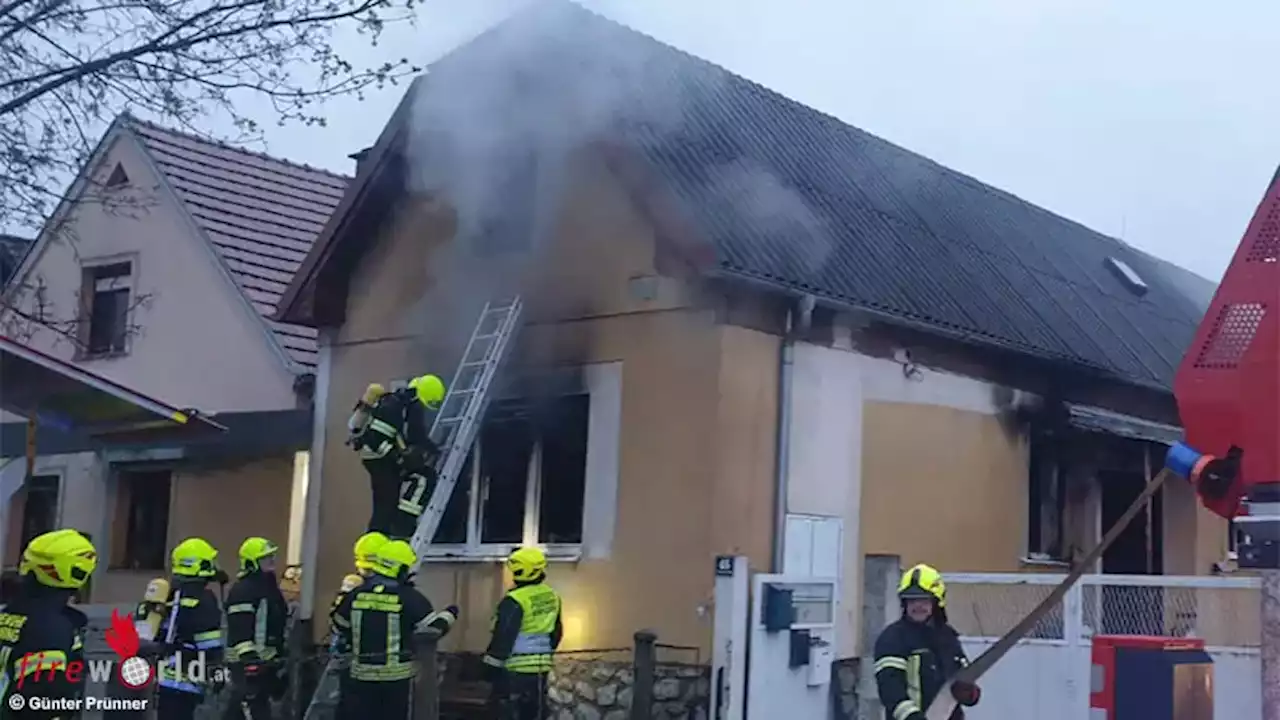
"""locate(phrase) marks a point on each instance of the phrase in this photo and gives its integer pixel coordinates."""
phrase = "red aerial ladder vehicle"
(1228, 391)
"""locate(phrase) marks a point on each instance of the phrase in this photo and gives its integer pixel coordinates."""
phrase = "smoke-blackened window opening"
(33, 510)
(506, 454)
(507, 213)
(527, 475)
(1046, 504)
(142, 519)
(453, 526)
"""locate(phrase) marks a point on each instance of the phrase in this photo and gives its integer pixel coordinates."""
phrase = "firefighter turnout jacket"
(256, 617)
(193, 629)
(912, 664)
(377, 620)
(39, 636)
(526, 629)
(395, 424)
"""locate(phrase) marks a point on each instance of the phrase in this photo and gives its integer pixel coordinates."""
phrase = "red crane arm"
(1228, 385)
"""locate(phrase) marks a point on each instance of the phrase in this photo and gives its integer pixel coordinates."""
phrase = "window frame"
(40, 470)
(1044, 471)
(600, 510)
(57, 476)
(474, 548)
(91, 283)
(121, 534)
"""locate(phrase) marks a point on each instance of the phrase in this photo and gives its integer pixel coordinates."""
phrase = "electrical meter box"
(1150, 678)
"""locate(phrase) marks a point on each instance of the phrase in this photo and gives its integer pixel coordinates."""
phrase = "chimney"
(360, 156)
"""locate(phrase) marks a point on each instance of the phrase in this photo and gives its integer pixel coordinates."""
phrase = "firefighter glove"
(966, 693)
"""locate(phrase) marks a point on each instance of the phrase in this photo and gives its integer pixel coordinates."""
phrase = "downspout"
(799, 319)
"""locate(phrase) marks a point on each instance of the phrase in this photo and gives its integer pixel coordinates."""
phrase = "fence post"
(645, 660)
(426, 688)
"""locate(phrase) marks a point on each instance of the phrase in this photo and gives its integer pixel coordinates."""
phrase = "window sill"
(497, 553)
(1043, 562)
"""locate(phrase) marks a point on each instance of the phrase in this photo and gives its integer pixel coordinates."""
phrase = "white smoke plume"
(545, 82)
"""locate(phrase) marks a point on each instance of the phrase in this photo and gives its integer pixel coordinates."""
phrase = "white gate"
(1048, 673)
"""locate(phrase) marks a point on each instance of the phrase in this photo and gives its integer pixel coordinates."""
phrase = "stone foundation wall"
(593, 689)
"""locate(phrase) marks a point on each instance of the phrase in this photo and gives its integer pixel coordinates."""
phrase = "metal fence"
(1224, 612)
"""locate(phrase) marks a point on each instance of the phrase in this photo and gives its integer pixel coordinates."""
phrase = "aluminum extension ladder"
(456, 424)
(453, 431)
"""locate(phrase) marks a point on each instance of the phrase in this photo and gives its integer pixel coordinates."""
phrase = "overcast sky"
(1154, 121)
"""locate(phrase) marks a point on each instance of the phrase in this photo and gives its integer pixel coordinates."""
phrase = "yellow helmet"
(394, 559)
(527, 564)
(923, 582)
(253, 551)
(365, 548)
(429, 389)
(60, 559)
(195, 557)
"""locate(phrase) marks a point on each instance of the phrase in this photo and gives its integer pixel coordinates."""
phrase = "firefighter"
(256, 617)
(389, 431)
(917, 654)
(191, 632)
(377, 620)
(526, 632)
(364, 550)
(39, 631)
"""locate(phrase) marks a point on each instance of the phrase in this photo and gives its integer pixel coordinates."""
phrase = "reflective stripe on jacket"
(912, 664)
(540, 611)
(194, 628)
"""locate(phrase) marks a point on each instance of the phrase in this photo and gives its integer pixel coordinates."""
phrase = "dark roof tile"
(792, 196)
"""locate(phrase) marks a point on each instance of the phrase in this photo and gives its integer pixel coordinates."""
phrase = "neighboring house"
(12, 250)
(708, 252)
(160, 272)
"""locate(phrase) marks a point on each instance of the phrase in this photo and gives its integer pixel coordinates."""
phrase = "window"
(33, 510)
(118, 178)
(525, 481)
(1046, 506)
(40, 507)
(141, 528)
(107, 291)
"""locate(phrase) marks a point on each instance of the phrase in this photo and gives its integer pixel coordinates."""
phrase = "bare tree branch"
(68, 67)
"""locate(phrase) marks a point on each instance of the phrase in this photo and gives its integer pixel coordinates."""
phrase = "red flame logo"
(122, 637)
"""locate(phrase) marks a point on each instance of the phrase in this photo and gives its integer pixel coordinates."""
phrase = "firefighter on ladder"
(192, 630)
(526, 633)
(377, 619)
(916, 655)
(256, 617)
(40, 634)
(389, 431)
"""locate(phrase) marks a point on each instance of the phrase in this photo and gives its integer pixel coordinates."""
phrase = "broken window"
(563, 472)
(1046, 505)
(142, 517)
(33, 510)
(107, 292)
(526, 479)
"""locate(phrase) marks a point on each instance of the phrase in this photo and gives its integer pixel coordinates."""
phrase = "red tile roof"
(261, 215)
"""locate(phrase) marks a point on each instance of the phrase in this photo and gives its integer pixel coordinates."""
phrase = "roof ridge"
(134, 121)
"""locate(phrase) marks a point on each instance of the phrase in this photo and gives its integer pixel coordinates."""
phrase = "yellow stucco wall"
(697, 411)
